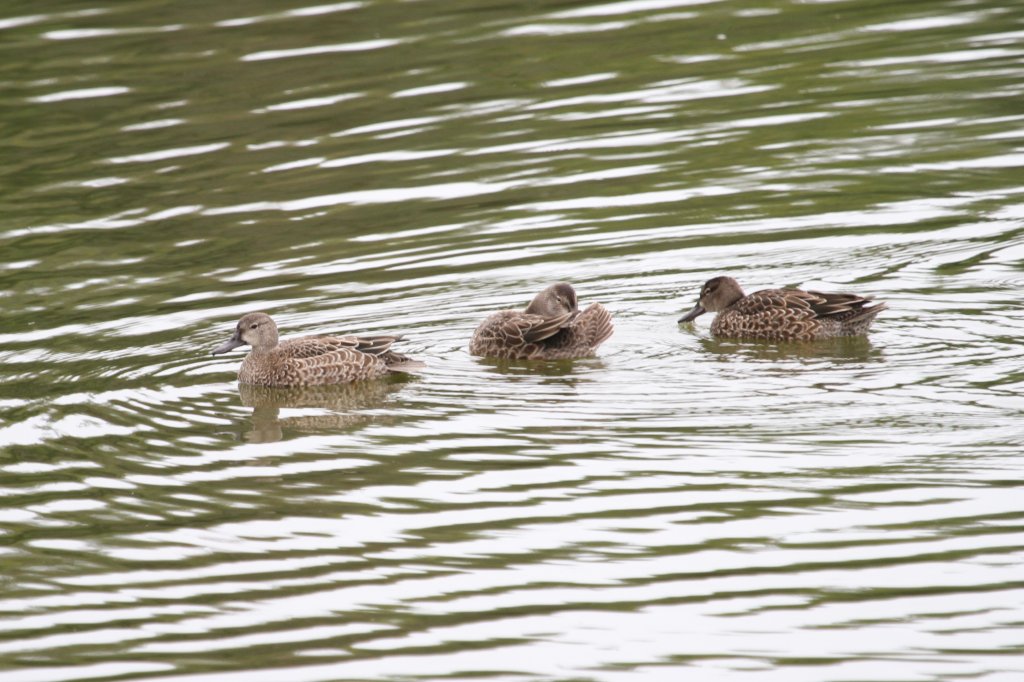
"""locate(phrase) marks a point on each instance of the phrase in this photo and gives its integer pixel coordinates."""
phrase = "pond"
(675, 507)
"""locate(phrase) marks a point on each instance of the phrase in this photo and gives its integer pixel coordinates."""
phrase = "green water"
(678, 507)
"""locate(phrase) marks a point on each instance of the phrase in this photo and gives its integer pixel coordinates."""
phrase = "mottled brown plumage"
(311, 360)
(551, 328)
(782, 314)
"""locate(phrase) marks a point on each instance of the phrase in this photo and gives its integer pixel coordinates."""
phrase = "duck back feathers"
(551, 328)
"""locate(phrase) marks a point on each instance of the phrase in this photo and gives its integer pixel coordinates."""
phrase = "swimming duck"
(311, 360)
(550, 328)
(782, 314)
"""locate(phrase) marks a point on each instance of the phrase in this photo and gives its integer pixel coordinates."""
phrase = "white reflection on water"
(320, 50)
(81, 93)
(453, 190)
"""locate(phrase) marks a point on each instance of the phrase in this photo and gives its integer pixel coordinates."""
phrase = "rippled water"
(677, 508)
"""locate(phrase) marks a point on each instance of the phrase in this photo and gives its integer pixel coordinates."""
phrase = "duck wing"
(837, 307)
(535, 328)
(797, 305)
(517, 334)
(793, 304)
(342, 364)
(315, 346)
(596, 323)
(587, 331)
(374, 345)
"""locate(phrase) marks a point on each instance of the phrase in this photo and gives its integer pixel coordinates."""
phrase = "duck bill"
(230, 344)
(697, 311)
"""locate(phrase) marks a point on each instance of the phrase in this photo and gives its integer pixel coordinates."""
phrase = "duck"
(782, 314)
(550, 328)
(311, 360)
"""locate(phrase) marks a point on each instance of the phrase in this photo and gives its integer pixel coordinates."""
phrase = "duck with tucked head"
(782, 314)
(550, 328)
(311, 360)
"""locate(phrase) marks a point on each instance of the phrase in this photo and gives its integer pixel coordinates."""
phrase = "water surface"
(678, 506)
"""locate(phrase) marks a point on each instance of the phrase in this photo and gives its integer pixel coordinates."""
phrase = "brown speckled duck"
(782, 314)
(551, 328)
(311, 360)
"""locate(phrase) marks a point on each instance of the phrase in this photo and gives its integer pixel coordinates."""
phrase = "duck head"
(254, 329)
(557, 299)
(717, 294)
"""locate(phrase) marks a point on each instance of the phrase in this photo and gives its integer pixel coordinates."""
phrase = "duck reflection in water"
(338, 407)
(841, 349)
